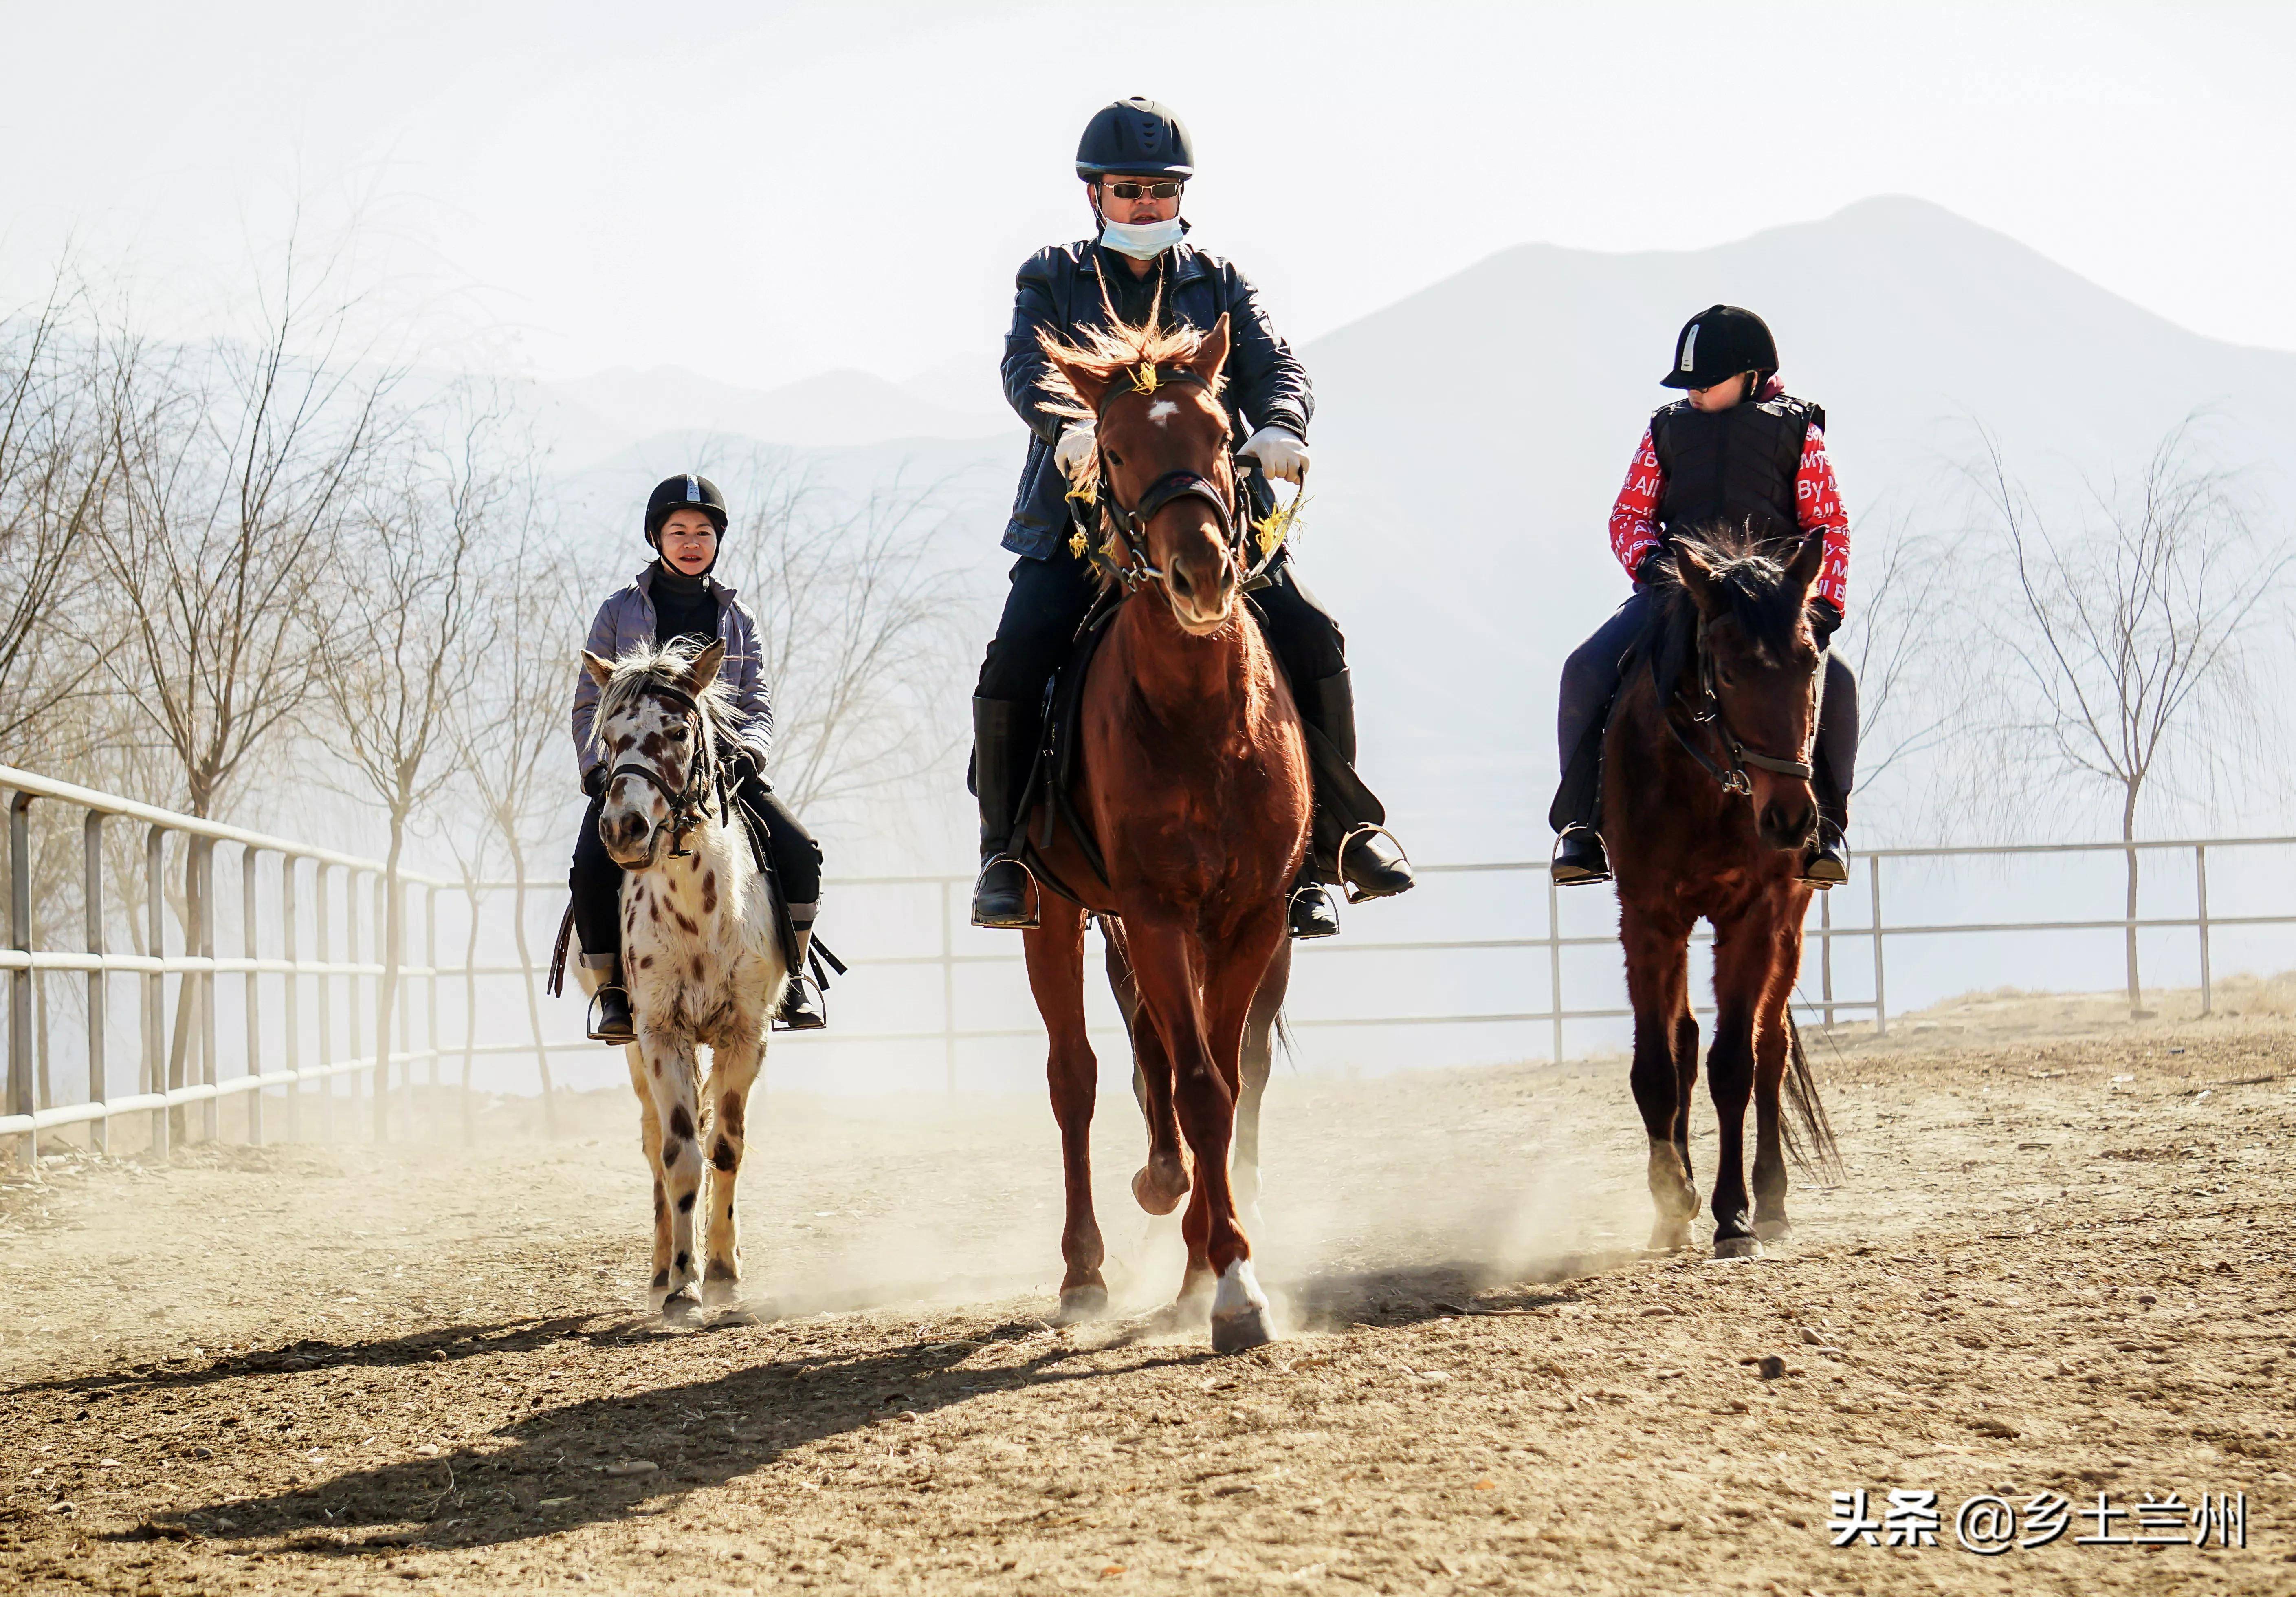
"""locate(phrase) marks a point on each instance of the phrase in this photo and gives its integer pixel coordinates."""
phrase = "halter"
(1129, 526)
(689, 806)
(1709, 713)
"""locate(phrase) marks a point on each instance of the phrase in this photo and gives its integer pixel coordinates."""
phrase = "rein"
(1129, 526)
(1709, 713)
(689, 806)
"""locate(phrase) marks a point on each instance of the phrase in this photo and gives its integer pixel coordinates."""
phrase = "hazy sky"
(762, 191)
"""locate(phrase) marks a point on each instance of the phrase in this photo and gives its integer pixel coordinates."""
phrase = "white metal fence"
(274, 1027)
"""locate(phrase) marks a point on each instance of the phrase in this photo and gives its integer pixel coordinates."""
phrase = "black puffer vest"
(1732, 465)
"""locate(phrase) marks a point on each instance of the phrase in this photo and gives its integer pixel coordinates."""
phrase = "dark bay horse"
(1706, 806)
(1193, 781)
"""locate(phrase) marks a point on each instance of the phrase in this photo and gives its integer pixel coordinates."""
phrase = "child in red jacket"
(1739, 448)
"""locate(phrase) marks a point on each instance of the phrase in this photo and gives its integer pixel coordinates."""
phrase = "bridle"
(689, 806)
(1129, 526)
(1707, 710)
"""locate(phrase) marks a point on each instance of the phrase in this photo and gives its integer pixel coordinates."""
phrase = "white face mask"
(1142, 240)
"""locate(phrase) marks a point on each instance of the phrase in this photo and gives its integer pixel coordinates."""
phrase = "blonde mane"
(647, 665)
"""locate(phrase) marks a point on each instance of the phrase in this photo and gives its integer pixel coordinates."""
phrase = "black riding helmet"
(684, 491)
(1134, 138)
(1719, 342)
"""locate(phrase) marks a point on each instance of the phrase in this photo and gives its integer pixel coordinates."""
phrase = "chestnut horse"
(1707, 808)
(1193, 781)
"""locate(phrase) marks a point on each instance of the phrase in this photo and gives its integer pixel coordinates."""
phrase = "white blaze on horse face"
(1162, 412)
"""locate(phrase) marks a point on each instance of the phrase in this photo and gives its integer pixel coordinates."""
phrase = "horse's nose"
(1785, 822)
(627, 828)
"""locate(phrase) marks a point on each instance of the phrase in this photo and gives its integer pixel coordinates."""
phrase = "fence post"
(1880, 996)
(1554, 963)
(326, 1000)
(99, 1089)
(155, 985)
(2200, 893)
(947, 988)
(403, 989)
(289, 946)
(211, 1072)
(254, 1000)
(20, 982)
(385, 958)
(1825, 953)
(431, 988)
(351, 1005)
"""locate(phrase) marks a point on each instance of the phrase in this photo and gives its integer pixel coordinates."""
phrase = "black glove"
(1653, 567)
(1824, 621)
(742, 761)
(594, 782)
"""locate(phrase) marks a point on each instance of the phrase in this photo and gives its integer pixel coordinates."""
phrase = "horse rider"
(674, 597)
(1739, 448)
(1134, 161)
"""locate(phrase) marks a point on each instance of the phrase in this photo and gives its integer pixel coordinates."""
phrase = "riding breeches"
(1590, 681)
(596, 881)
(1049, 598)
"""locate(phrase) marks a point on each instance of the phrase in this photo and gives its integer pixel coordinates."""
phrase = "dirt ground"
(2060, 1262)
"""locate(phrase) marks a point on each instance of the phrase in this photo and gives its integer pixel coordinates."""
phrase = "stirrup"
(590, 1019)
(1339, 858)
(1036, 914)
(1293, 913)
(798, 982)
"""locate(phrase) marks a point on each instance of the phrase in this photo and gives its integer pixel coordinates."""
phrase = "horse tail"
(1286, 1041)
(1809, 1133)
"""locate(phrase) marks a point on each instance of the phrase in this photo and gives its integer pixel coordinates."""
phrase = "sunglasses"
(1132, 191)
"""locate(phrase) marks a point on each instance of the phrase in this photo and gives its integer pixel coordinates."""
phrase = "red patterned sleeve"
(1633, 531)
(1818, 503)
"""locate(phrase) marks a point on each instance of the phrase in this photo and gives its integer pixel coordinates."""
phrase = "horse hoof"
(1240, 1331)
(680, 1304)
(1737, 1247)
(1157, 1196)
(1081, 1304)
(1773, 1231)
(723, 1292)
(1669, 1236)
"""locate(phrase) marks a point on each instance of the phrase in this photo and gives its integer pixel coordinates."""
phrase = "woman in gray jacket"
(674, 597)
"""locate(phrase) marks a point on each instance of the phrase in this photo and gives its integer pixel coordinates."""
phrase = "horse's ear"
(1690, 564)
(1211, 354)
(599, 670)
(704, 669)
(1808, 561)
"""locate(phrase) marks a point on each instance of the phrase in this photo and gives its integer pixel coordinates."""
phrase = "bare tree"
(55, 462)
(1911, 696)
(512, 737)
(860, 622)
(2126, 643)
(399, 644)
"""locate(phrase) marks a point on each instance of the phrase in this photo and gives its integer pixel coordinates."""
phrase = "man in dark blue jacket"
(1134, 161)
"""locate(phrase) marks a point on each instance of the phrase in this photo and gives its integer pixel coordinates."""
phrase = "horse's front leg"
(1258, 1060)
(673, 1078)
(1055, 949)
(1773, 1043)
(1158, 1185)
(650, 1144)
(1658, 984)
(1744, 951)
(1202, 1027)
(733, 1071)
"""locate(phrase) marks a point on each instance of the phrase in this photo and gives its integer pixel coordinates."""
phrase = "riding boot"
(1825, 863)
(1369, 860)
(1310, 912)
(801, 1008)
(610, 1020)
(1001, 736)
(1577, 818)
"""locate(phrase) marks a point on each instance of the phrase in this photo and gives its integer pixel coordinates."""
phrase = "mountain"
(1469, 440)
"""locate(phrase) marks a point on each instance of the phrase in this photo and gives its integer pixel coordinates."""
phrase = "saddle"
(1342, 804)
(753, 823)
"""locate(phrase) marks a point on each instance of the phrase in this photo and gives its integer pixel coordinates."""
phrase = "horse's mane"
(1745, 571)
(650, 665)
(1105, 351)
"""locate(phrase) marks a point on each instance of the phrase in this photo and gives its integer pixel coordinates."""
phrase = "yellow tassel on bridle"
(1278, 524)
(1144, 380)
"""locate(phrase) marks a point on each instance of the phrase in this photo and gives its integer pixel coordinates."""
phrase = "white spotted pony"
(700, 955)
